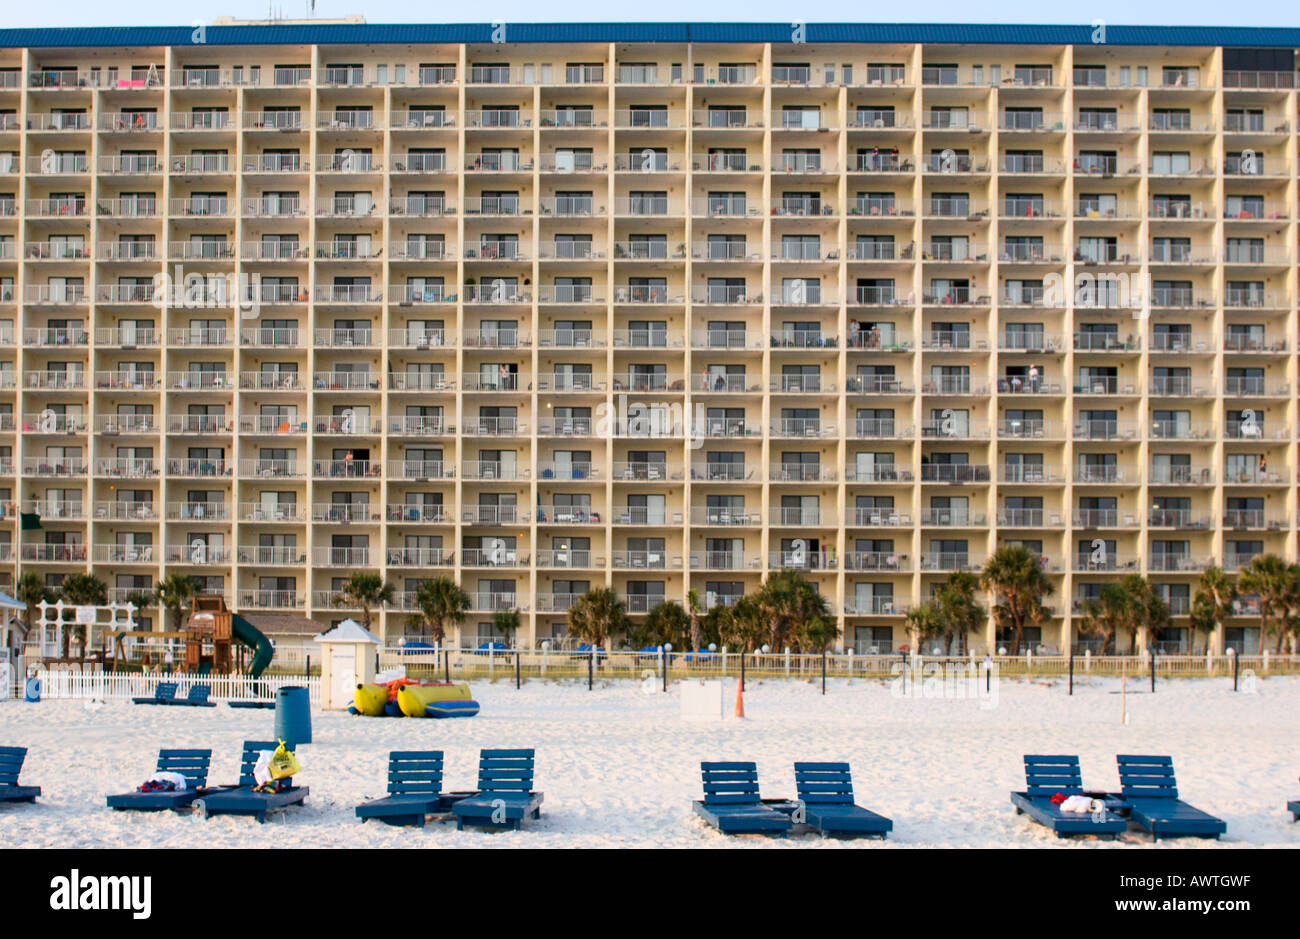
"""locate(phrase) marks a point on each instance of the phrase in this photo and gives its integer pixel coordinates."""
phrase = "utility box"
(347, 659)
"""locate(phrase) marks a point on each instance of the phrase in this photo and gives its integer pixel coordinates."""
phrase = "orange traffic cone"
(740, 699)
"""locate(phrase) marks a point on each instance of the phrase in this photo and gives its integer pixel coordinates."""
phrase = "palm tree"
(667, 622)
(716, 625)
(1014, 575)
(1107, 614)
(1150, 613)
(442, 603)
(744, 624)
(695, 608)
(172, 593)
(31, 590)
(506, 623)
(789, 604)
(81, 590)
(364, 589)
(1212, 603)
(597, 615)
(922, 622)
(959, 612)
(1274, 582)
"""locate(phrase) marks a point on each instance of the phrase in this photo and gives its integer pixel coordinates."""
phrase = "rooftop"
(353, 30)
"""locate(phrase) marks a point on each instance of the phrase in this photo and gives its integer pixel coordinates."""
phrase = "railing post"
(823, 670)
(516, 669)
(591, 665)
(1152, 653)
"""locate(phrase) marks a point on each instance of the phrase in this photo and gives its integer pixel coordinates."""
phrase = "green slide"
(251, 636)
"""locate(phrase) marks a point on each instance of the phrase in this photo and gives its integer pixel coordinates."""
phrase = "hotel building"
(656, 307)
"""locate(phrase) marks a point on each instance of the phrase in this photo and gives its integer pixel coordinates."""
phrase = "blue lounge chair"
(197, 698)
(192, 764)
(240, 799)
(165, 693)
(826, 790)
(731, 802)
(1294, 809)
(505, 794)
(1045, 776)
(1149, 788)
(414, 790)
(11, 764)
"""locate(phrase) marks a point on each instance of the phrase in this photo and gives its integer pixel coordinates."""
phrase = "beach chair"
(165, 693)
(826, 791)
(197, 698)
(414, 790)
(505, 794)
(1294, 808)
(731, 803)
(1149, 788)
(11, 764)
(192, 764)
(1045, 776)
(240, 799)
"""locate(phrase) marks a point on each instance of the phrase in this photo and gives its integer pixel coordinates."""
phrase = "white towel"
(262, 768)
(176, 779)
(1080, 804)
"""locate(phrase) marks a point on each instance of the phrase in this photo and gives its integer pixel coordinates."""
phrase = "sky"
(1113, 12)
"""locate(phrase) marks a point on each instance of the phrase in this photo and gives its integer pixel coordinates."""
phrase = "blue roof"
(424, 33)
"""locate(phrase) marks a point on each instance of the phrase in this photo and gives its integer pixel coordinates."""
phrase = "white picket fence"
(58, 683)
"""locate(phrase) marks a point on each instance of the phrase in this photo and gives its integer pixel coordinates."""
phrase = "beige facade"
(659, 317)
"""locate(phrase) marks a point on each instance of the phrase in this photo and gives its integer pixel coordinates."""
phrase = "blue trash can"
(32, 690)
(293, 716)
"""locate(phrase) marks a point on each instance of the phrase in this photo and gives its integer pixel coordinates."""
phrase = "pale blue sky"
(1114, 12)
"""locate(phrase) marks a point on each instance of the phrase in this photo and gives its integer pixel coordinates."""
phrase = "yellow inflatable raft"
(413, 699)
(370, 699)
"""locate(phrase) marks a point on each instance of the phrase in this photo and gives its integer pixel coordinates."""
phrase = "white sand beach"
(619, 767)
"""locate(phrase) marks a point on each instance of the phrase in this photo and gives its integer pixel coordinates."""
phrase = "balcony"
(1101, 560)
(875, 429)
(567, 427)
(346, 469)
(199, 469)
(1031, 473)
(948, 561)
(199, 554)
(493, 470)
(272, 469)
(487, 602)
(1106, 474)
(195, 511)
(124, 510)
(124, 554)
(724, 517)
(254, 381)
(954, 472)
(1180, 475)
(1178, 562)
(722, 472)
(802, 427)
(1179, 518)
(271, 512)
(272, 599)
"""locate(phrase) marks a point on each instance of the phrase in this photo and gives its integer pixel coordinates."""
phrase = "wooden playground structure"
(208, 635)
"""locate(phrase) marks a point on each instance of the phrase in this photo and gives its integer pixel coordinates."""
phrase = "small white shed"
(347, 660)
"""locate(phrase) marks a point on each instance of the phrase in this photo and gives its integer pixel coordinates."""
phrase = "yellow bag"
(283, 763)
